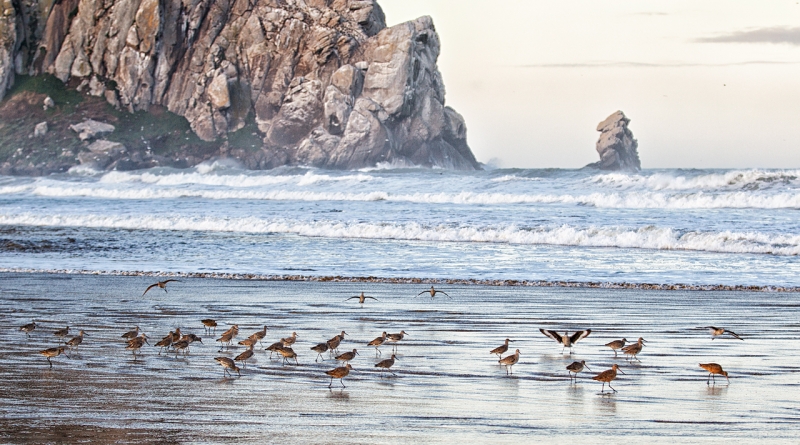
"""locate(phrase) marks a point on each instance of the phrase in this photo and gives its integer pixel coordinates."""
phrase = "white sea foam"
(728, 180)
(241, 180)
(647, 237)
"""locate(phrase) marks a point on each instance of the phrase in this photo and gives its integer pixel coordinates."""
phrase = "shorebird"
(249, 342)
(259, 335)
(361, 298)
(377, 343)
(181, 345)
(61, 333)
(634, 349)
(319, 349)
(333, 344)
(347, 356)
(161, 284)
(165, 342)
(607, 376)
(509, 361)
(275, 347)
(433, 292)
(209, 324)
(131, 334)
(244, 356)
(289, 341)
(28, 328)
(226, 365)
(74, 342)
(233, 331)
(386, 364)
(712, 369)
(225, 340)
(287, 353)
(192, 338)
(617, 344)
(176, 335)
(394, 338)
(339, 373)
(53, 352)
(566, 340)
(716, 332)
(500, 350)
(135, 344)
(576, 367)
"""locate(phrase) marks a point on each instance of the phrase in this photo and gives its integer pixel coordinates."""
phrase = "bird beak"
(619, 370)
(587, 367)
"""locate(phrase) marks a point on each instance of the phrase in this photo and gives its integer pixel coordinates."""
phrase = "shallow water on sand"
(448, 387)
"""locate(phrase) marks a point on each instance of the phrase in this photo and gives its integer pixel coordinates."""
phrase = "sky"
(706, 84)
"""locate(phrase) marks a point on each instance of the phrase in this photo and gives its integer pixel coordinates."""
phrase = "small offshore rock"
(616, 146)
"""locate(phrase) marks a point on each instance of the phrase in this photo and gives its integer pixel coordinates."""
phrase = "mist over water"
(660, 226)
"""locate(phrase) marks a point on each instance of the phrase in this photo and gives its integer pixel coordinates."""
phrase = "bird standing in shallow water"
(131, 334)
(361, 298)
(377, 343)
(386, 364)
(28, 328)
(607, 376)
(634, 349)
(712, 369)
(347, 356)
(617, 344)
(576, 367)
(289, 341)
(160, 284)
(500, 350)
(209, 324)
(566, 340)
(76, 341)
(339, 373)
(394, 338)
(244, 356)
(716, 332)
(53, 352)
(61, 333)
(288, 353)
(227, 364)
(510, 361)
(319, 349)
(135, 344)
(433, 292)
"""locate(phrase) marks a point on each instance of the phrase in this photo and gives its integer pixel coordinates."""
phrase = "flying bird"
(361, 298)
(433, 292)
(716, 332)
(161, 284)
(566, 340)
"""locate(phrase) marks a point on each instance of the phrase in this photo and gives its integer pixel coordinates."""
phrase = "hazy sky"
(705, 83)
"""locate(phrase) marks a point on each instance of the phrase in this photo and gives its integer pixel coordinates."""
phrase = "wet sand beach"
(448, 387)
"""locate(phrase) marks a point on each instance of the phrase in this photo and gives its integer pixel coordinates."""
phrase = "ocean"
(665, 227)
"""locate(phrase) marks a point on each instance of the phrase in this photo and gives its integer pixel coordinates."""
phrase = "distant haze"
(712, 84)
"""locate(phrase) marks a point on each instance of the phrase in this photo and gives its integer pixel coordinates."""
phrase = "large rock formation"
(616, 145)
(324, 81)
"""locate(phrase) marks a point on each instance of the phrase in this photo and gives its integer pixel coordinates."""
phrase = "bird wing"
(149, 287)
(580, 335)
(425, 291)
(348, 299)
(734, 334)
(167, 281)
(443, 292)
(552, 334)
(371, 298)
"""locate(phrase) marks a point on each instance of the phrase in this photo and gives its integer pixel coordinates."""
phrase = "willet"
(433, 292)
(394, 338)
(61, 333)
(566, 340)
(634, 349)
(509, 361)
(274, 348)
(181, 345)
(74, 342)
(347, 356)
(193, 338)
(712, 369)
(500, 350)
(244, 356)
(386, 364)
(165, 342)
(607, 376)
(28, 328)
(289, 341)
(716, 332)
(53, 352)
(249, 342)
(225, 340)
(209, 324)
(131, 334)
(333, 344)
(135, 344)
(160, 284)
(339, 373)
(319, 349)
(176, 335)
(287, 353)
(576, 367)
(259, 335)
(617, 344)
(226, 365)
(361, 298)
(377, 343)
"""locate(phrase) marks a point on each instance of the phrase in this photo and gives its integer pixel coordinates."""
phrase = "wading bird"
(377, 343)
(209, 324)
(712, 369)
(28, 328)
(566, 340)
(634, 349)
(394, 338)
(227, 364)
(53, 352)
(339, 373)
(386, 364)
(616, 344)
(607, 376)
(61, 333)
(576, 367)
(500, 350)
(160, 284)
(76, 341)
(319, 349)
(509, 361)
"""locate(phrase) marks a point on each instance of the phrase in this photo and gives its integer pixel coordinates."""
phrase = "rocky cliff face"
(326, 83)
(616, 146)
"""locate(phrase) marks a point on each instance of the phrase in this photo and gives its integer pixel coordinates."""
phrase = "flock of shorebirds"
(178, 343)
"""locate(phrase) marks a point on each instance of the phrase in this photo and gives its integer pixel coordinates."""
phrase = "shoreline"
(417, 280)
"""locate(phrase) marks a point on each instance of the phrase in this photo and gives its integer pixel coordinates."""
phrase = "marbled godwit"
(135, 344)
(377, 343)
(274, 348)
(226, 365)
(225, 340)
(61, 333)
(712, 369)
(617, 344)
(509, 361)
(361, 298)
(74, 342)
(232, 331)
(249, 342)
(289, 341)
(576, 367)
(347, 356)
(634, 349)
(176, 335)
(716, 332)
(566, 340)
(287, 353)
(607, 376)
(209, 324)
(161, 284)
(28, 328)
(394, 338)
(433, 292)
(319, 349)
(181, 345)
(131, 334)
(333, 344)
(259, 335)
(500, 350)
(339, 373)
(165, 342)
(244, 356)
(193, 338)
(53, 352)
(386, 364)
